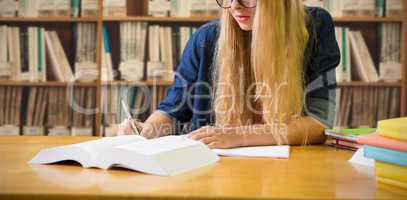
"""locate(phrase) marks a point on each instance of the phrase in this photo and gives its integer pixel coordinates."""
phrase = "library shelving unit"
(137, 12)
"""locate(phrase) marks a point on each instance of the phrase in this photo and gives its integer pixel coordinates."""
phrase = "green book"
(349, 134)
(75, 8)
(380, 8)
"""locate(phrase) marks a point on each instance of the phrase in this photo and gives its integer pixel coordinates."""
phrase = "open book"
(166, 156)
(170, 155)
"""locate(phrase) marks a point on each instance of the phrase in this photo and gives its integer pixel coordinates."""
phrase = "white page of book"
(101, 145)
(159, 145)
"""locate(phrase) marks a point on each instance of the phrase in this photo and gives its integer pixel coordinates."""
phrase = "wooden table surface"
(312, 172)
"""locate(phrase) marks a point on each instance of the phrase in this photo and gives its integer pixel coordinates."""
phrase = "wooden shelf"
(367, 19)
(178, 19)
(48, 19)
(139, 83)
(46, 84)
(162, 19)
(368, 84)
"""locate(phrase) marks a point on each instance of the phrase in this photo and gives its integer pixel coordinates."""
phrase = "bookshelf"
(137, 12)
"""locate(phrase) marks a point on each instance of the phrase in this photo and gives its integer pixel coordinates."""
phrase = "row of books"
(47, 8)
(389, 150)
(35, 54)
(180, 8)
(357, 62)
(62, 111)
(380, 8)
(43, 110)
(141, 101)
(146, 51)
(362, 107)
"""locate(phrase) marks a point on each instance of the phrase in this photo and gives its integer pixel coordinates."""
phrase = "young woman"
(262, 75)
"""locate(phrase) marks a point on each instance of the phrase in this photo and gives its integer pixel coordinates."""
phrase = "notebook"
(384, 142)
(394, 128)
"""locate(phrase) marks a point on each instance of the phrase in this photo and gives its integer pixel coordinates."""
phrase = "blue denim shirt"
(189, 98)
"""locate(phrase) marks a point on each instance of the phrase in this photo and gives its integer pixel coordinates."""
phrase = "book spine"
(386, 155)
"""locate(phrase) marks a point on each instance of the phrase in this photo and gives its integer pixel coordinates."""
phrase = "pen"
(130, 118)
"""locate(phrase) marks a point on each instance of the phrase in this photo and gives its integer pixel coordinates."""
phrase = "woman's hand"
(220, 138)
(146, 130)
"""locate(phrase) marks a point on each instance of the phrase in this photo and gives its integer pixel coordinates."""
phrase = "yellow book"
(391, 171)
(391, 182)
(393, 128)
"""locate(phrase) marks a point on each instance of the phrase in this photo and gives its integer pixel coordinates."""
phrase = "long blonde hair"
(272, 58)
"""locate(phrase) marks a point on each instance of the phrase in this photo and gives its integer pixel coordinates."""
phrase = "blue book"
(385, 155)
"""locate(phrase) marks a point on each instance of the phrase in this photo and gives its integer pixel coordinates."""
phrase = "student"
(262, 75)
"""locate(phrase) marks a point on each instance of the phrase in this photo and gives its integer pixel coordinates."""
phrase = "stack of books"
(389, 150)
(347, 138)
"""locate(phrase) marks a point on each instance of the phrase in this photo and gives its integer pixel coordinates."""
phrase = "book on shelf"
(357, 62)
(26, 50)
(32, 54)
(343, 71)
(8, 8)
(166, 156)
(115, 8)
(10, 108)
(59, 68)
(132, 50)
(58, 112)
(165, 45)
(34, 119)
(44, 8)
(89, 8)
(107, 65)
(75, 8)
(83, 116)
(364, 66)
(179, 8)
(390, 56)
(394, 8)
(85, 58)
(363, 107)
(363, 8)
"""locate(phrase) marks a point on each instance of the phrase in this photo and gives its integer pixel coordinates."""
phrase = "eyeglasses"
(244, 3)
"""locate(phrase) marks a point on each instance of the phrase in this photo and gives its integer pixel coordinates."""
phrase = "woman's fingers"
(207, 140)
(124, 128)
(213, 145)
(147, 131)
(202, 133)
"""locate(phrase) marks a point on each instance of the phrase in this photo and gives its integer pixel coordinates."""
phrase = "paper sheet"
(360, 159)
(258, 151)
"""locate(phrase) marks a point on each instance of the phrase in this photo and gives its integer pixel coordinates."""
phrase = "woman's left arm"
(305, 130)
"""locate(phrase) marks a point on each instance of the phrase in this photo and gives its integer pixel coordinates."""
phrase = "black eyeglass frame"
(231, 1)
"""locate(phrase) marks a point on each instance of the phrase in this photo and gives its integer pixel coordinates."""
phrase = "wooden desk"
(314, 172)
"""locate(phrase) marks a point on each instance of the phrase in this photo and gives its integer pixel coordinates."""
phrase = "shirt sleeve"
(320, 90)
(177, 102)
